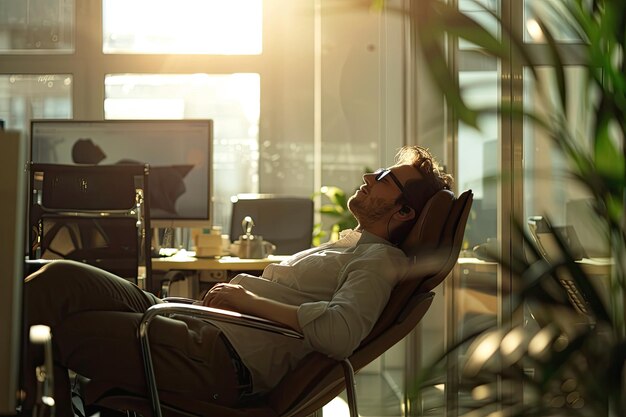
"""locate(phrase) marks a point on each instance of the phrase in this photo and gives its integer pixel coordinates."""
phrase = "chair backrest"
(434, 243)
(285, 221)
(95, 214)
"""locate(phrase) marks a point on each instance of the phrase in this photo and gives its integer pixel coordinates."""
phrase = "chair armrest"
(216, 314)
(182, 300)
(225, 316)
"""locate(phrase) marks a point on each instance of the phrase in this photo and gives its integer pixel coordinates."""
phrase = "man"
(333, 294)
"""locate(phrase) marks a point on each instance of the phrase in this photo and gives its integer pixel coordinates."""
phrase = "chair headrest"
(434, 242)
(430, 224)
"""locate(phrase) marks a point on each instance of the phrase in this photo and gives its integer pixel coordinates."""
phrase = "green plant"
(563, 362)
(337, 211)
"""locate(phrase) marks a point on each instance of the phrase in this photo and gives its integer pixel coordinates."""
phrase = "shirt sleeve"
(337, 327)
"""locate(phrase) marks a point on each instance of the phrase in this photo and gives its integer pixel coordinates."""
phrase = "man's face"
(377, 197)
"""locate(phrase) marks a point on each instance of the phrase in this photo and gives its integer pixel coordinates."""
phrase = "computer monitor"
(12, 231)
(179, 153)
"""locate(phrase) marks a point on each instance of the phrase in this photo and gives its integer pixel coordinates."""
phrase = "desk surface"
(592, 266)
(187, 261)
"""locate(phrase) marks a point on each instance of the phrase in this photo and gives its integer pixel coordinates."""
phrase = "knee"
(59, 270)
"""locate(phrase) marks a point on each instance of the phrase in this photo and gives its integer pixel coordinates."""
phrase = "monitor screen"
(179, 153)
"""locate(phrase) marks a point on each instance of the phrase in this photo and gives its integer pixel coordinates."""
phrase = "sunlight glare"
(540, 343)
(218, 27)
(482, 349)
(337, 407)
(512, 346)
(534, 30)
(481, 392)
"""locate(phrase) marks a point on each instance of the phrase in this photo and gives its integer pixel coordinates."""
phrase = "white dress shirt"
(341, 289)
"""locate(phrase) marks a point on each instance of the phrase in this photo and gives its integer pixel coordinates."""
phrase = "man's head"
(84, 151)
(391, 199)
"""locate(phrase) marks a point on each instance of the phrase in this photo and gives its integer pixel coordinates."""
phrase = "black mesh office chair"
(287, 222)
(92, 214)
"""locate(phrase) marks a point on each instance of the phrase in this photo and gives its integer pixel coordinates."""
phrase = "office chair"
(434, 243)
(542, 234)
(95, 214)
(287, 222)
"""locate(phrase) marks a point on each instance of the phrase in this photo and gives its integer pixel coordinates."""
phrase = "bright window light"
(337, 407)
(217, 27)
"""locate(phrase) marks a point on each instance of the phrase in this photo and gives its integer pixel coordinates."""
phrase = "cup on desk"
(252, 247)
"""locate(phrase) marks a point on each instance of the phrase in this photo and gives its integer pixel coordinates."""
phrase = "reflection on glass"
(218, 27)
(551, 13)
(41, 25)
(562, 198)
(231, 100)
(478, 160)
(26, 97)
(475, 296)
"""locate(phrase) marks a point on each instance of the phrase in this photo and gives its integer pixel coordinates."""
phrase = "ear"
(405, 213)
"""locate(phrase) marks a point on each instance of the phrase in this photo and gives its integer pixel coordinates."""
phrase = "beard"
(369, 210)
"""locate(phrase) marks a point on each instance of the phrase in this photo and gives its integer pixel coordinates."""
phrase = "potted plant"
(567, 356)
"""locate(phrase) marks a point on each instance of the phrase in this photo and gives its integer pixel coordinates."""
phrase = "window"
(37, 26)
(560, 193)
(551, 12)
(216, 27)
(24, 97)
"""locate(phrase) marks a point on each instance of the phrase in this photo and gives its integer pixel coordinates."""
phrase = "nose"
(368, 178)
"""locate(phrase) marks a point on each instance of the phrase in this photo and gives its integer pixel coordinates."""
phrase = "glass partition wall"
(515, 172)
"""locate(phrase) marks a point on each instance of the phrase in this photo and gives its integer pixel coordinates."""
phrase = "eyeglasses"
(383, 172)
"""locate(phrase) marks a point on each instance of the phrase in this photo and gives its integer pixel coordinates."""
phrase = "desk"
(202, 273)
(479, 279)
(594, 267)
(186, 261)
(477, 296)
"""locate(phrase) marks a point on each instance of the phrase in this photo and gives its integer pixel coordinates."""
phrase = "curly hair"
(417, 192)
(426, 164)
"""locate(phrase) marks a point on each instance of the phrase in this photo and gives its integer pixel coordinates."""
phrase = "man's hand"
(236, 298)
(228, 297)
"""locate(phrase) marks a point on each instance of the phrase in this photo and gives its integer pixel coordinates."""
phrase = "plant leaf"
(336, 195)
(609, 162)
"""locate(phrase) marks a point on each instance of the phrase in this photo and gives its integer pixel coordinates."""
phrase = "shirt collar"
(367, 237)
(350, 237)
